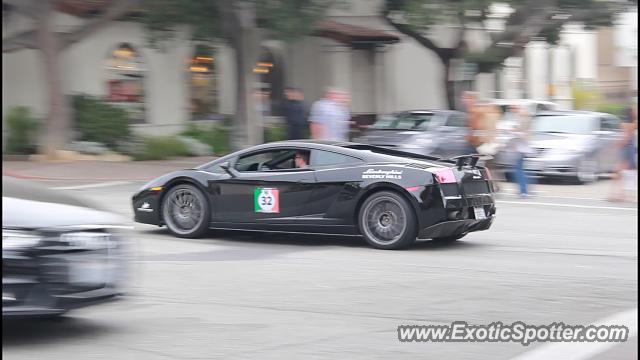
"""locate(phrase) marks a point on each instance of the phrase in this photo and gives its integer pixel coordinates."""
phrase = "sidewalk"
(98, 170)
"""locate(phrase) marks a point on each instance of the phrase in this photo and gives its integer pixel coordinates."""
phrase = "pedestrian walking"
(625, 178)
(330, 118)
(294, 114)
(521, 149)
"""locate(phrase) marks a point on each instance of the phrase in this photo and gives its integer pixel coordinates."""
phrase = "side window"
(609, 123)
(321, 158)
(266, 160)
(543, 107)
(215, 169)
(457, 121)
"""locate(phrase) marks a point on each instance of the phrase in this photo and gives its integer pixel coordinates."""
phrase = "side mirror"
(226, 166)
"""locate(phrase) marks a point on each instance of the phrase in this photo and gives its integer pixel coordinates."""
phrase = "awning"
(353, 35)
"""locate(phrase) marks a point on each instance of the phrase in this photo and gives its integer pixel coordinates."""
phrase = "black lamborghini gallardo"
(389, 197)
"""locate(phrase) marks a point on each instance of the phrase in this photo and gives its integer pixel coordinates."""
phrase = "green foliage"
(162, 147)
(289, 19)
(584, 98)
(22, 131)
(275, 133)
(99, 121)
(611, 108)
(421, 15)
(217, 137)
(162, 17)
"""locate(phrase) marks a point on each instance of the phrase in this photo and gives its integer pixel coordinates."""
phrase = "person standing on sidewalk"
(625, 179)
(521, 149)
(294, 114)
(474, 121)
(329, 118)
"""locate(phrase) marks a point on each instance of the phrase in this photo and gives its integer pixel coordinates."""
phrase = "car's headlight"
(17, 239)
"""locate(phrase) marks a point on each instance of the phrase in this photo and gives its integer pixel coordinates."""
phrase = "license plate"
(87, 240)
(479, 212)
(90, 270)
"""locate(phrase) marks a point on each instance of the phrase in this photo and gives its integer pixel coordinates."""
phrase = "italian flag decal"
(266, 200)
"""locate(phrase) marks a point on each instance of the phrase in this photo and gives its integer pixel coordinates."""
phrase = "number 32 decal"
(266, 200)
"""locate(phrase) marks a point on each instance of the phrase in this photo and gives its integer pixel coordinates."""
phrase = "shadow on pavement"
(262, 240)
(43, 331)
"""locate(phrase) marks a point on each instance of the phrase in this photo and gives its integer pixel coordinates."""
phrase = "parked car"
(574, 145)
(532, 106)
(58, 253)
(426, 132)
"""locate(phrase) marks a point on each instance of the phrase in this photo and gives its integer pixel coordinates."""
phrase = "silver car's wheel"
(387, 221)
(587, 171)
(185, 211)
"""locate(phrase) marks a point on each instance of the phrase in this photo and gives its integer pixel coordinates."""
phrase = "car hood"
(27, 205)
(388, 137)
(558, 141)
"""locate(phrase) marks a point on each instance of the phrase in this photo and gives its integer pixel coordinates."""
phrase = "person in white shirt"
(330, 118)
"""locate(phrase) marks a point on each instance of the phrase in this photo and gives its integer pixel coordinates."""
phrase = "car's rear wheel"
(185, 211)
(387, 221)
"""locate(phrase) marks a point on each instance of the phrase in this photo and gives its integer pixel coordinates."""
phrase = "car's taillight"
(445, 176)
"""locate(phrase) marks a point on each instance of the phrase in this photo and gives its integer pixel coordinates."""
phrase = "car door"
(262, 194)
(337, 178)
(606, 137)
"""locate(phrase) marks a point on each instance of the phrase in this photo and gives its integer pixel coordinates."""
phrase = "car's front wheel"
(185, 211)
(387, 221)
(587, 171)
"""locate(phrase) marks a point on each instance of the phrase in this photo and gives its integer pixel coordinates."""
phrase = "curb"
(33, 177)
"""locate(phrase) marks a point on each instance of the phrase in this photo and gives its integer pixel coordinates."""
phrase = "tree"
(236, 23)
(51, 44)
(528, 20)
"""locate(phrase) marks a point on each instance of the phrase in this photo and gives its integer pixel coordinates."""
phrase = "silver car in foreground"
(58, 253)
(575, 145)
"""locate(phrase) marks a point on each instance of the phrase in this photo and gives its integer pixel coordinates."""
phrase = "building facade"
(354, 48)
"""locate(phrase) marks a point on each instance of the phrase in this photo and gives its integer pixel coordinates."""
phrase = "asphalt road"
(563, 255)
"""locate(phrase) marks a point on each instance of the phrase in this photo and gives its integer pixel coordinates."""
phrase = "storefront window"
(203, 82)
(270, 88)
(126, 73)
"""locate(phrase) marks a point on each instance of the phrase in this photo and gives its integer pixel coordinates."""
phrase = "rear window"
(321, 157)
(405, 121)
(565, 124)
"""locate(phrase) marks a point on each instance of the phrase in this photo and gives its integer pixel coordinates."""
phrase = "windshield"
(566, 124)
(405, 121)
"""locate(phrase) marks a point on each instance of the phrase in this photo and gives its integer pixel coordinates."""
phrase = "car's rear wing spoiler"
(469, 160)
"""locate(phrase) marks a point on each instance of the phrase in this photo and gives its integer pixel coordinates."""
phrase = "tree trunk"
(449, 85)
(58, 124)
(239, 131)
(247, 127)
